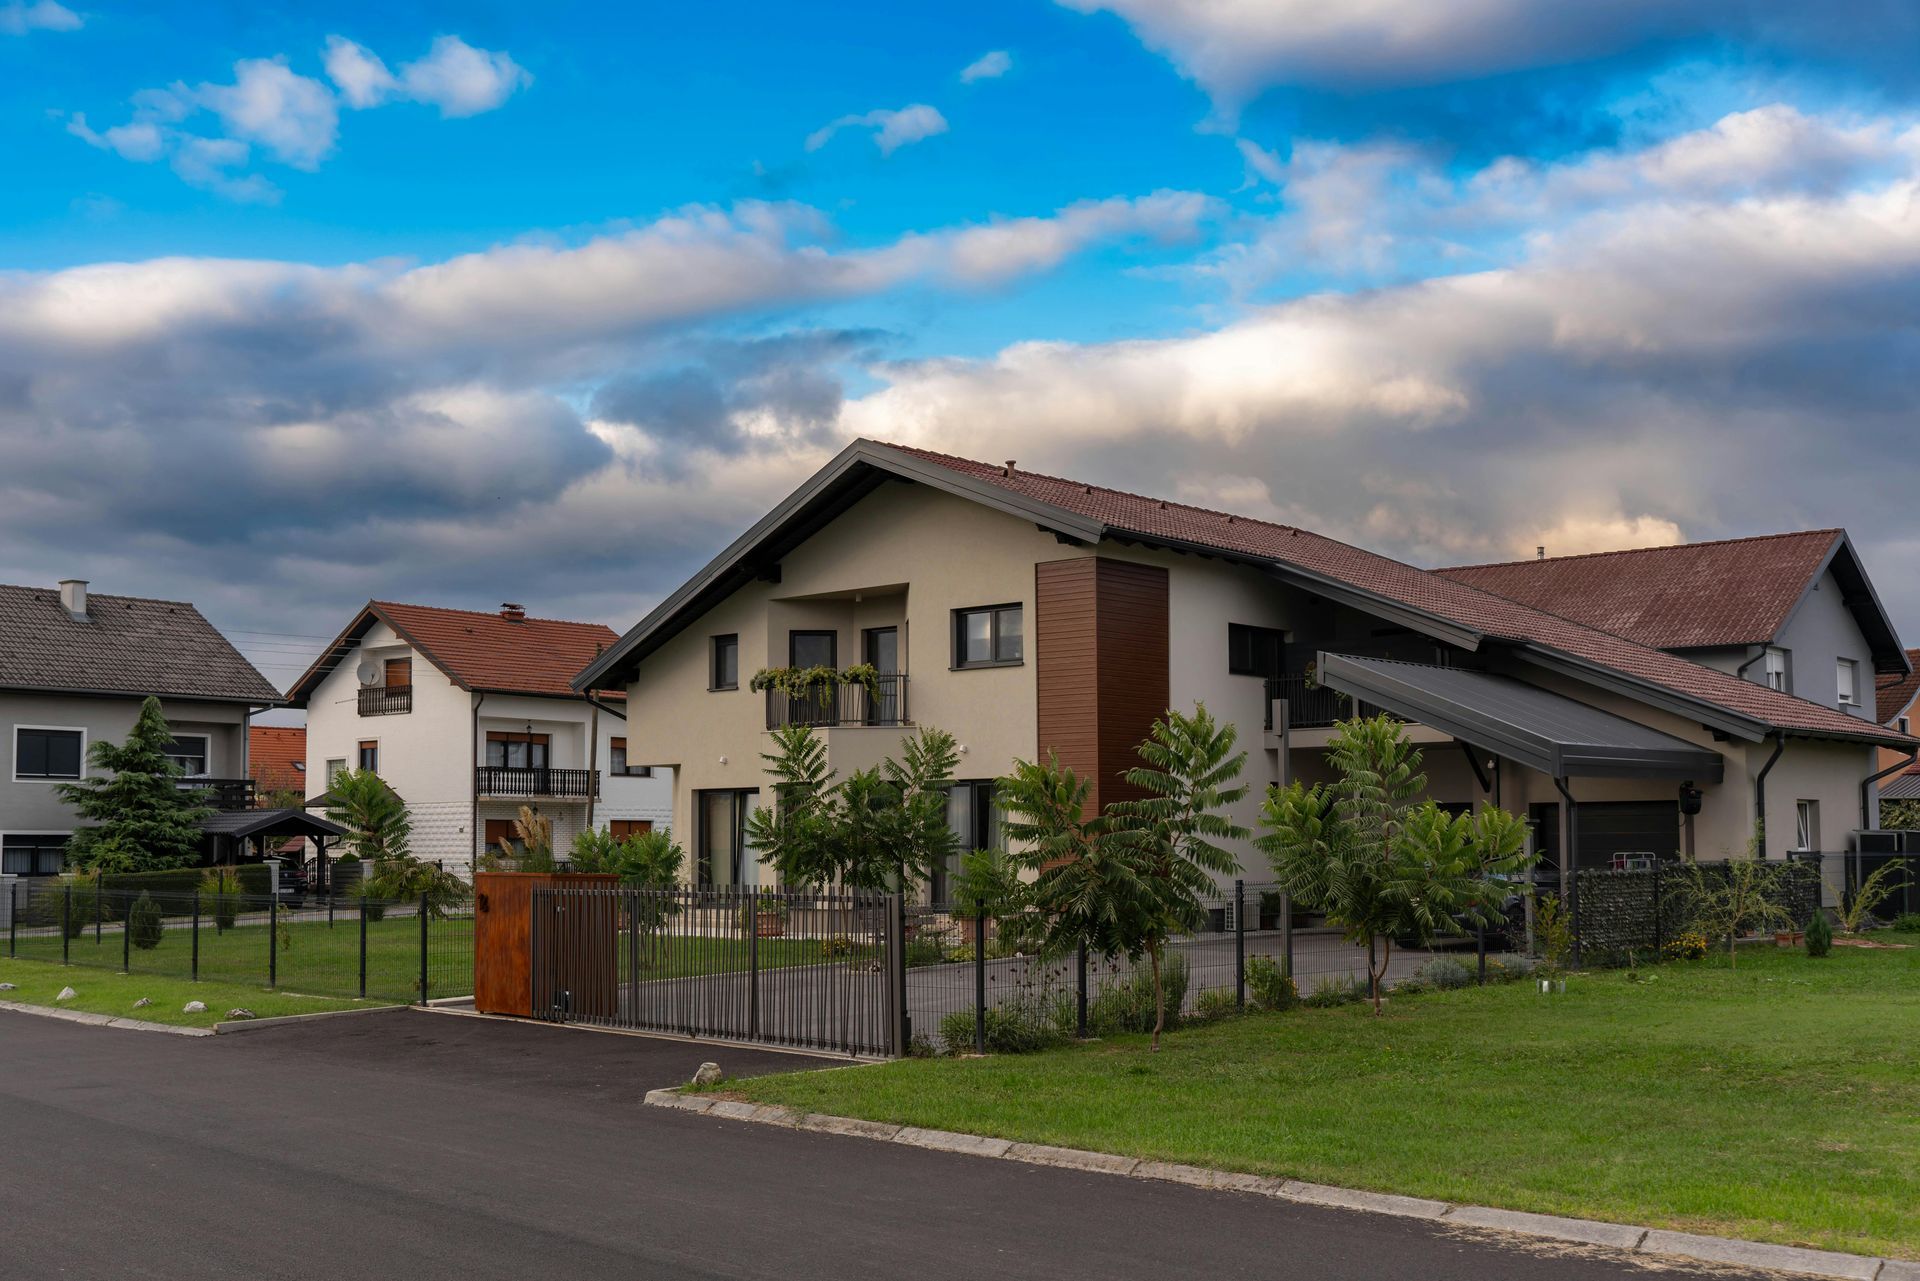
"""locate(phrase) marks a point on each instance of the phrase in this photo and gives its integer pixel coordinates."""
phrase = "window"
(1846, 680)
(399, 673)
(508, 750)
(189, 752)
(1254, 651)
(1778, 669)
(990, 636)
(1806, 825)
(618, 765)
(725, 670)
(370, 755)
(621, 828)
(335, 768)
(39, 854)
(40, 752)
(1905, 728)
(974, 820)
(723, 856)
(503, 837)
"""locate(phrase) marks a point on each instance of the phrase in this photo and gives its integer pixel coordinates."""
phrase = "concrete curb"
(1619, 1236)
(102, 1020)
(281, 1020)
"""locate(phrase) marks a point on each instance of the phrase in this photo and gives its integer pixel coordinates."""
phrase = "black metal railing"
(837, 704)
(1315, 706)
(222, 793)
(385, 700)
(538, 780)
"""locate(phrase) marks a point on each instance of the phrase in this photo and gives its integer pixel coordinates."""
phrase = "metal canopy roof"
(283, 823)
(1537, 728)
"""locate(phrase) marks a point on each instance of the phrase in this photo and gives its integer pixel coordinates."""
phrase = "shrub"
(1129, 1007)
(1445, 973)
(1907, 923)
(1021, 1026)
(1510, 970)
(1690, 945)
(1215, 1003)
(1268, 985)
(72, 898)
(925, 949)
(837, 945)
(220, 894)
(143, 923)
(1819, 934)
(1329, 992)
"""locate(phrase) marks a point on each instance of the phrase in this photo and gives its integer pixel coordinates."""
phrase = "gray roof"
(129, 646)
(1901, 787)
(246, 823)
(1549, 732)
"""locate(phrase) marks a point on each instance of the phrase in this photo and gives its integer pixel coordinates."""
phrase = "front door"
(880, 649)
(814, 649)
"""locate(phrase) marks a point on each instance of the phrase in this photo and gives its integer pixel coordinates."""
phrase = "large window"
(36, 854)
(41, 752)
(974, 820)
(724, 672)
(189, 752)
(723, 856)
(1777, 668)
(990, 636)
(517, 751)
(618, 764)
(1846, 680)
(1254, 651)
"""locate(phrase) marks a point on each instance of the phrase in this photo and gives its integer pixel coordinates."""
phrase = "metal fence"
(796, 968)
(379, 949)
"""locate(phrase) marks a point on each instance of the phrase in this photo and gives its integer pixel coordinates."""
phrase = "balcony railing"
(537, 780)
(223, 793)
(1314, 706)
(385, 700)
(829, 705)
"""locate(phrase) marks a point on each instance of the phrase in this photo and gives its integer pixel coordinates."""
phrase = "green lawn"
(108, 992)
(1778, 1101)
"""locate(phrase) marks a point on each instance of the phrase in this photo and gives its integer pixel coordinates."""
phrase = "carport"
(234, 831)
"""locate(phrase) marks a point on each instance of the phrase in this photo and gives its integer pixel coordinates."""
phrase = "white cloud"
(357, 72)
(21, 16)
(140, 140)
(988, 66)
(1575, 535)
(891, 129)
(1005, 248)
(294, 116)
(453, 75)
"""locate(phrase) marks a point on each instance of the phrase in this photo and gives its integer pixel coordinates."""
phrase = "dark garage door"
(1608, 828)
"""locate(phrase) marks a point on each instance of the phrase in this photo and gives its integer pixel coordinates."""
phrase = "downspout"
(1569, 861)
(599, 707)
(473, 783)
(1870, 821)
(593, 760)
(1760, 797)
(1741, 671)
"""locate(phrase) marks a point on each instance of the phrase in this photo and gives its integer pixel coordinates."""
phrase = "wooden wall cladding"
(503, 941)
(1101, 651)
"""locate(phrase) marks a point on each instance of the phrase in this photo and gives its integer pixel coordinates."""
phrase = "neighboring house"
(1894, 700)
(277, 761)
(1030, 614)
(468, 716)
(74, 669)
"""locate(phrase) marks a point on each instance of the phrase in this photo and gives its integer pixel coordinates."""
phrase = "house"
(277, 760)
(74, 668)
(1894, 700)
(468, 716)
(1030, 614)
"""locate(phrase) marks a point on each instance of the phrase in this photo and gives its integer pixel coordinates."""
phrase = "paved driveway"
(420, 1145)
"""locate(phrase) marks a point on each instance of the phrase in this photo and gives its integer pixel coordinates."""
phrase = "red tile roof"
(486, 651)
(1738, 591)
(277, 757)
(1446, 598)
(1892, 694)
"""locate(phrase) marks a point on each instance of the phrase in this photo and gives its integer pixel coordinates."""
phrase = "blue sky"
(462, 303)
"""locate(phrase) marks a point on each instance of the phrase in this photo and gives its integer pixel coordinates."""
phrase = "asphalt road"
(418, 1145)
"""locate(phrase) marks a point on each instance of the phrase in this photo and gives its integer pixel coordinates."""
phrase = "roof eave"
(244, 700)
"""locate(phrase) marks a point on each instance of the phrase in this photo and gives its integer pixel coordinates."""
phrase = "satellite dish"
(369, 672)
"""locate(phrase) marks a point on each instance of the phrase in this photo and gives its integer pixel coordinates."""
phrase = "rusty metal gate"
(794, 968)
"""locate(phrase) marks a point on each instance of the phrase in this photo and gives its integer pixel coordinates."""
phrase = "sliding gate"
(813, 971)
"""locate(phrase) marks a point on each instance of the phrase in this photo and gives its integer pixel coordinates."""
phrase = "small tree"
(1381, 864)
(376, 819)
(1741, 899)
(144, 927)
(1819, 933)
(144, 820)
(1857, 909)
(642, 861)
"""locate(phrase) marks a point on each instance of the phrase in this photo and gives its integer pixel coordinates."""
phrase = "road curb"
(102, 1020)
(1625, 1237)
(233, 1026)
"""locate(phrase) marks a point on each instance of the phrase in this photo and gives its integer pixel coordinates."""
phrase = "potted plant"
(769, 916)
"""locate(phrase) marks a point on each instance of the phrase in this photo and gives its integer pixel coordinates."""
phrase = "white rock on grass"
(7, 987)
(240, 1014)
(708, 1074)
(143, 1003)
(194, 1007)
(66, 994)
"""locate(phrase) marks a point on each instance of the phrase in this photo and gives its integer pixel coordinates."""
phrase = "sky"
(465, 303)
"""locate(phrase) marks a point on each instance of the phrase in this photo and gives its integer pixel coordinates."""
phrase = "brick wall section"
(1618, 914)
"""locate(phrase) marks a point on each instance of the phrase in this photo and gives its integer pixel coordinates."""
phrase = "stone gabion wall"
(1622, 913)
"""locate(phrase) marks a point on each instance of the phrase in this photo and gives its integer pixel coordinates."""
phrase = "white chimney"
(73, 598)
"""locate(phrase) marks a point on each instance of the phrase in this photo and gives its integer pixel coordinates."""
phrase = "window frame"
(958, 635)
(623, 768)
(633, 826)
(1806, 825)
(360, 755)
(206, 755)
(714, 643)
(1785, 672)
(335, 766)
(64, 838)
(1253, 632)
(18, 777)
(1850, 668)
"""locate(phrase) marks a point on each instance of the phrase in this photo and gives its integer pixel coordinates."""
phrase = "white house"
(468, 716)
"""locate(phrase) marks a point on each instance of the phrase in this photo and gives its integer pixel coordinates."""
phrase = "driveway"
(422, 1145)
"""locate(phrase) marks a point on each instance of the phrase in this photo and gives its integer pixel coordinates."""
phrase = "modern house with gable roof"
(468, 716)
(74, 668)
(1030, 614)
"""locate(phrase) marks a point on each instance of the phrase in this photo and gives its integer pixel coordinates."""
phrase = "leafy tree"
(646, 860)
(1738, 898)
(1380, 863)
(376, 819)
(144, 821)
(795, 835)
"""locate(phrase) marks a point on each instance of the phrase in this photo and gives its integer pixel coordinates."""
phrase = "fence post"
(13, 918)
(99, 904)
(273, 940)
(363, 949)
(902, 1030)
(1081, 956)
(1659, 925)
(66, 924)
(1240, 944)
(753, 967)
(980, 978)
(423, 948)
(126, 939)
(1480, 945)
(1286, 929)
(196, 936)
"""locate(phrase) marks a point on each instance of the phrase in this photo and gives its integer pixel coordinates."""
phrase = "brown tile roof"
(1463, 605)
(277, 757)
(131, 646)
(1892, 694)
(1738, 591)
(480, 651)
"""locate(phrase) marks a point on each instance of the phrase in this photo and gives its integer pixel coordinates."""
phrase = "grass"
(1778, 1101)
(107, 992)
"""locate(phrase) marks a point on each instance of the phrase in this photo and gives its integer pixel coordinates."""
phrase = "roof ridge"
(93, 595)
(484, 613)
(1635, 551)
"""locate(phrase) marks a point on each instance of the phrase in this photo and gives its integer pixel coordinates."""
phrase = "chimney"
(1008, 469)
(73, 598)
(512, 613)
(1540, 552)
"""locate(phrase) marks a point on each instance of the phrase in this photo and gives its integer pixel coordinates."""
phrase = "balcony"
(1313, 706)
(222, 793)
(830, 705)
(537, 780)
(385, 700)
